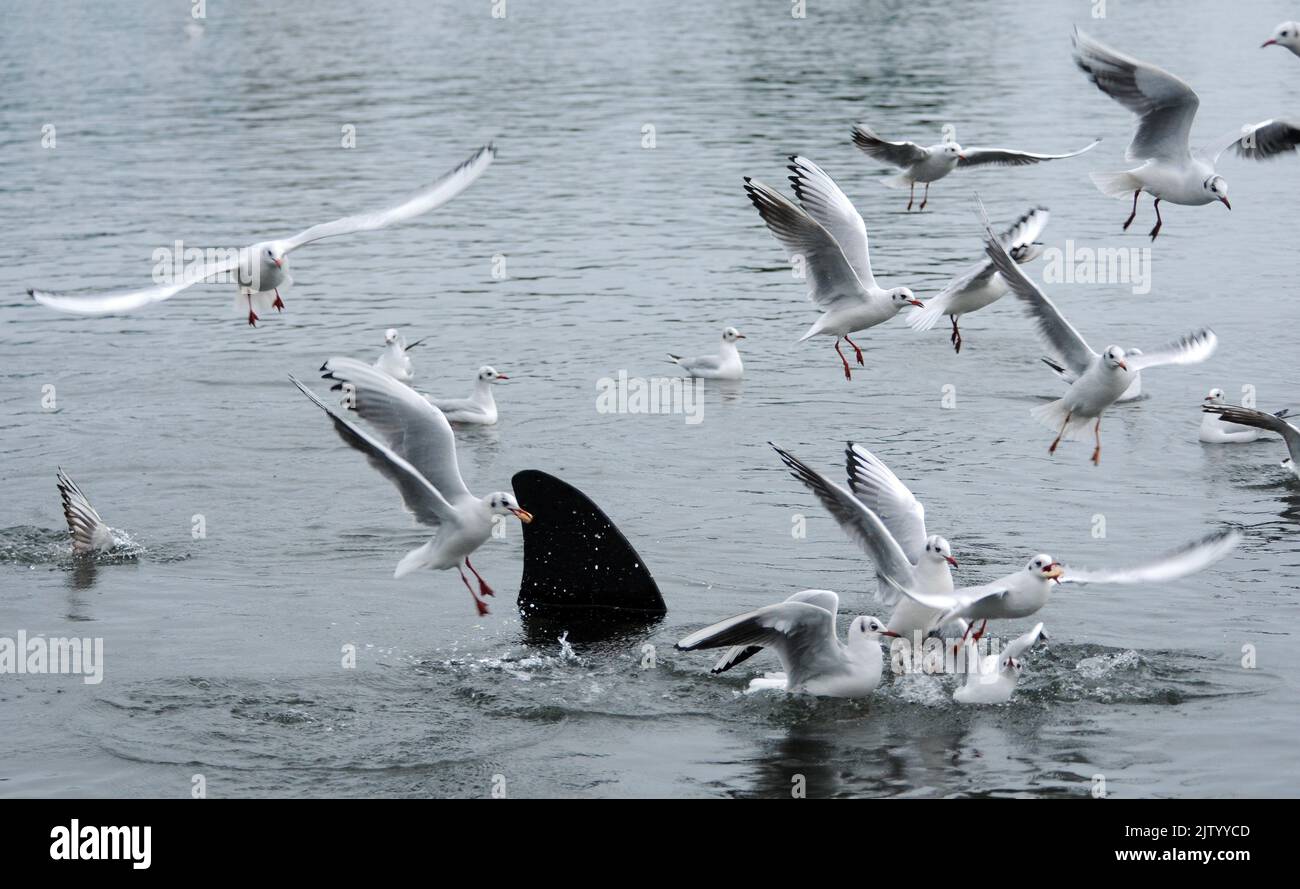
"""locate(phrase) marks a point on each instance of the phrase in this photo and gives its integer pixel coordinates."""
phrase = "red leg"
(855, 348)
(956, 335)
(1057, 441)
(1096, 454)
(252, 318)
(848, 374)
(925, 199)
(478, 603)
(1131, 216)
(482, 584)
(983, 626)
(279, 303)
(911, 196)
(1159, 222)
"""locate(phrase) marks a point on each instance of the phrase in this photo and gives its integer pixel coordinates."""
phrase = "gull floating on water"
(1099, 380)
(1215, 431)
(801, 631)
(89, 533)
(1260, 420)
(262, 268)
(393, 360)
(981, 285)
(418, 455)
(993, 679)
(887, 522)
(480, 409)
(1286, 35)
(726, 365)
(829, 237)
(929, 164)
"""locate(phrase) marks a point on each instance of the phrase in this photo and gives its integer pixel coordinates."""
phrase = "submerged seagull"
(1286, 35)
(801, 631)
(829, 237)
(89, 533)
(981, 285)
(418, 455)
(480, 409)
(1260, 420)
(262, 268)
(1099, 380)
(887, 523)
(726, 365)
(393, 360)
(929, 164)
(993, 679)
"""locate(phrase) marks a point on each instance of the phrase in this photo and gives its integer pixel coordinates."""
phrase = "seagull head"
(901, 296)
(869, 629)
(1042, 567)
(1217, 188)
(1114, 358)
(489, 374)
(952, 151)
(1215, 396)
(502, 503)
(1286, 34)
(937, 549)
(730, 335)
(390, 336)
(273, 255)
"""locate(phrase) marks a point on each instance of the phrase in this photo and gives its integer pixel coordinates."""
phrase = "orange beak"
(1123, 365)
(951, 561)
(523, 515)
(279, 263)
(917, 302)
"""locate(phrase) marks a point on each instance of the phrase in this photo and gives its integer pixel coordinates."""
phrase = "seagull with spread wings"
(1246, 416)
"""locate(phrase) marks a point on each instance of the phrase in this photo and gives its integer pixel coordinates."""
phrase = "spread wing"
(1191, 348)
(1185, 560)
(883, 493)
(826, 203)
(1007, 157)
(129, 300)
(898, 154)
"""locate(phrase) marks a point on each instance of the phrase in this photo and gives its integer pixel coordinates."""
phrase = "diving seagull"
(801, 632)
(480, 409)
(1272, 422)
(887, 522)
(829, 237)
(981, 285)
(1285, 35)
(393, 360)
(726, 365)
(1100, 380)
(417, 453)
(993, 679)
(261, 269)
(928, 164)
(89, 533)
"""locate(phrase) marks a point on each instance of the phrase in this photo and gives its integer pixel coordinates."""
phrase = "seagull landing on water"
(929, 164)
(1099, 380)
(1285, 35)
(829, 237)
(1272, 422)
(480, 409)
(992, 680)
(418, 455)
(726, 365)
(89, 533)
(801, 631)
(394, 360)
(981, 285)
(263, 268)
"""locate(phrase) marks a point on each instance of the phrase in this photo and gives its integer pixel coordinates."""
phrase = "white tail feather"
(1053, 414)
(415, 560)
(1118, 184)
(902, 180)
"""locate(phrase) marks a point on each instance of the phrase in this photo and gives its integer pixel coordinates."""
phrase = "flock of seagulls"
(410, 439)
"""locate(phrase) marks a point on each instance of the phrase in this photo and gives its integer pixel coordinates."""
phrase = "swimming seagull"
(929, 164)
(1024, 592)
(1215, 431)
(1100, 380)
(393, 360)
(1286, 35)
(726, 365)
(1260, 420)
(480, 409)
(263, 268)
(994, 677)
(887, 523)
(89, 533)
(827, 235)
(801, 631)
(418, 455)
(981, 285)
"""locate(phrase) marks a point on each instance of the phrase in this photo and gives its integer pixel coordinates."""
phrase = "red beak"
(1269, 42)
(1225, 203)
(502, 377)
(1123, 365)
(279, 263)
(951, 561)
(917, 302)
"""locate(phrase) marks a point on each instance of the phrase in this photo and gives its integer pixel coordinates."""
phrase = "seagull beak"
(279, 263)
(1053, 571)
(1269, 42)
(917, 302)
(890, 633)
(523, 515)
(961, 156)
(951, 561)
(502, 377)
(1123, 365)
(741, 336)
(1225, 203)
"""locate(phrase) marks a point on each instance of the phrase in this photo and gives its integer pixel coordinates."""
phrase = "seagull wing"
(1260, 420)
(1183, 561)
(826, 203)
(898, 154)
(1266, 140)
(801, 634)
(738, 654)
(1006, 157)
(1191, 348)
(876, 486)
(89, 533)
(129, 300)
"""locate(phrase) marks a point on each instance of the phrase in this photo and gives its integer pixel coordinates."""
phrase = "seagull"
(394, 360)
(801, 630)
(418, 455)
(725, 365)
(981, 285)
(480, 409)
(1165, 107)
(263, 268)
(89, 533)
(929, 164)
(1260, 420)
(993, 680)
(1100, 380)
(887, 522)
(1132, 393)
(1215, 431)
(829, 237)
(1024, 592)
(1286, 35)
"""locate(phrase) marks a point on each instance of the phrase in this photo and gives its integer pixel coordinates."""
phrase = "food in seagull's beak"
(1053, 571)
(951, 561)
(523, 515)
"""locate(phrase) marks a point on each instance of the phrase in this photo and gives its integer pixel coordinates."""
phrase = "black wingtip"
(31, 291)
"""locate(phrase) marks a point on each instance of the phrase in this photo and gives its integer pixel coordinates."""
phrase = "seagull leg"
(478, 603)
(1159, 222)
(855, 348)
(925, 198)
(1131, 216)
(482, 584)
(252, 317)
(955, 339)
(1096, 454)
(1057, 441)
(983, 626)
(911, 196)
(962, 641)
(279, 303)
(848, 374)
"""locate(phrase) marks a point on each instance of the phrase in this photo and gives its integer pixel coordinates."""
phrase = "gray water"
(223, 653)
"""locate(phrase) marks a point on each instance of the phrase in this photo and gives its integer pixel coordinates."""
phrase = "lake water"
(223, 653)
